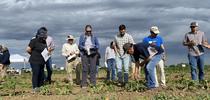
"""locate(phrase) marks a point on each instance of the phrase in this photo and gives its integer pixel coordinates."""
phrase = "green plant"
(135, 86)
(45, 90)
(163, 96)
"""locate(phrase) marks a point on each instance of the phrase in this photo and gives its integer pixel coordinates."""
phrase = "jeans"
(160, 65)
(37, 75)
(89, 66)
(111, 63)
(150, 71)
(49, 69)
(123, 63)
(196, 62)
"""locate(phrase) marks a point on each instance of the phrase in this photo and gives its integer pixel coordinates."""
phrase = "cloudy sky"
(20, 20)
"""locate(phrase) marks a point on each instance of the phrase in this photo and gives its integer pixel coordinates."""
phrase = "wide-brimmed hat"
(70, 37)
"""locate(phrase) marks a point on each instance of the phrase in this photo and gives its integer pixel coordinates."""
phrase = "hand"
(191, 43)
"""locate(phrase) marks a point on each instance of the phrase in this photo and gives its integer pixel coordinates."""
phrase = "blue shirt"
(157, 40)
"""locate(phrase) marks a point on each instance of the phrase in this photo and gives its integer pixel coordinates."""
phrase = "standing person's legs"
(151, 73)
(156, 78)
(113, 69)
(78, 70)
(41, 75)
(93, 70)
(35, 75)
(85, 64)
(109, 65)
(126, 63)
(162, 73)
(2, 71)
(69, 66)
(201, 67)
(119, 69)
(193, 65)
(49, 69)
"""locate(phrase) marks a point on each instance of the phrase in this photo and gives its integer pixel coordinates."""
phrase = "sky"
(20, 20)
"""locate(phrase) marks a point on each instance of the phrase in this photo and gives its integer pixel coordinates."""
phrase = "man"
(141, 50)
(4, 61)
(71, 52)
(195, 41)
(122, 59)
(50, 47)
(155, 40)
(88, 46)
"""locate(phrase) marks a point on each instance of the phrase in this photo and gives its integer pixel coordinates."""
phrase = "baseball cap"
(155, 29)
(126, 46)
(194, 24)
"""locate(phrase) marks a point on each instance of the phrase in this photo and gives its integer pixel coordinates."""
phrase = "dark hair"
(122, 27)
(88, 26)
(43, 28)
(111, 43)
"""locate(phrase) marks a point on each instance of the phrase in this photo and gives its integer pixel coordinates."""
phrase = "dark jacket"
(4, 57)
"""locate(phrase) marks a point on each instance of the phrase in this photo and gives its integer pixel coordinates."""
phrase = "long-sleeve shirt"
(69, 49)
(110, 53)
(50, 42)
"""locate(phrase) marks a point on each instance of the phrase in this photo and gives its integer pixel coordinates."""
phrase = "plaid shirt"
(120, 41)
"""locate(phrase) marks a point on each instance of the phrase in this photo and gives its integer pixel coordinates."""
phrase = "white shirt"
(110, 53)
(68, 48)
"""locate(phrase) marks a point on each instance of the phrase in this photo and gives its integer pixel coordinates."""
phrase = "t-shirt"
(157, 40)
(141, 51)
(37, 47)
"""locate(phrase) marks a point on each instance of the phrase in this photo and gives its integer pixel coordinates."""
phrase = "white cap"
(155, 29)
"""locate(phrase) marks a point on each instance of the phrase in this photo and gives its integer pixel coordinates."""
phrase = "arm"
(64, 52)
(105, 56)
(187, 42)
(29, 50)
(76, 50)
(81, 45)
(96, 43)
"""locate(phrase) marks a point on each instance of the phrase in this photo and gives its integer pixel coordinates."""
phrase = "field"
(179, 87)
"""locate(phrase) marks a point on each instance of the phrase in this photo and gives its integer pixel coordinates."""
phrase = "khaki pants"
(160, 65)
(135, 71)
(3, 71)
(69, 69)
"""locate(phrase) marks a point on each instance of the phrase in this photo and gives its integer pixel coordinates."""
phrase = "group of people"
(120, 54)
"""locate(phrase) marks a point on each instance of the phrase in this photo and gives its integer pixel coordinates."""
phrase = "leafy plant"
(135, 86)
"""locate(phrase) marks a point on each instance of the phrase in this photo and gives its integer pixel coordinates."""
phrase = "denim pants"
(150, 71)
(196, 62)
(37, 75)
(123, 63)
(111, 63)
(49, 69)
(88, 67)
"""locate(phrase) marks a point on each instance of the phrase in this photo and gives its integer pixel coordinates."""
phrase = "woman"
(88, 46)
(37, 62)
(110, 60)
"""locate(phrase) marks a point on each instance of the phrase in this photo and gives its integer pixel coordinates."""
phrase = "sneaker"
(36, 90)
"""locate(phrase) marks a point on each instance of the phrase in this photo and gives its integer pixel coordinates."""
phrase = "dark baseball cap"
(127, 46)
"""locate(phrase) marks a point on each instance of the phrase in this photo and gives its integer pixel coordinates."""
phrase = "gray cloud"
(21, 18)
